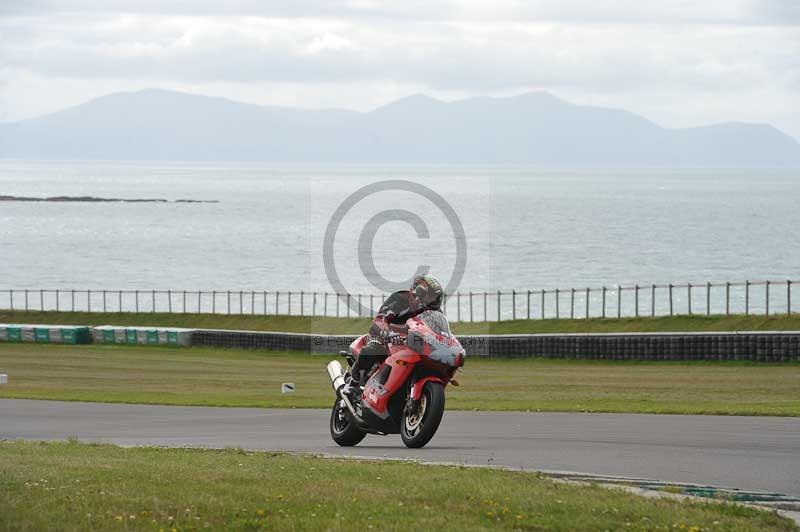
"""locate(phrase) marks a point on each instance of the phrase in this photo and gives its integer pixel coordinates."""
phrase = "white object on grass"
(3, 378)
(287, 387)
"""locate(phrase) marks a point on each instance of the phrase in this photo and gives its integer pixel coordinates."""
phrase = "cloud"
(355, 52)
(782, 12)
(575, 11)
(462, 56)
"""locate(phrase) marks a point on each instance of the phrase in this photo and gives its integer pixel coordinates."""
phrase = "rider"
(425, 294)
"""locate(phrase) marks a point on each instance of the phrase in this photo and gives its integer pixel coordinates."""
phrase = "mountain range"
(534, 128)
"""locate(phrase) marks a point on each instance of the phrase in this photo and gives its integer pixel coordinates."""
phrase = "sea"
(368, 229)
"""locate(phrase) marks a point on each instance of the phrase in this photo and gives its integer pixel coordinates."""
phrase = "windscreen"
(436, 321)
(441, 346)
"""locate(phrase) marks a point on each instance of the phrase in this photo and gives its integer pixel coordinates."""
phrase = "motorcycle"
(404, 393)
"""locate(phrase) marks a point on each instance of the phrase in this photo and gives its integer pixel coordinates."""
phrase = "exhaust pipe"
(336, 373)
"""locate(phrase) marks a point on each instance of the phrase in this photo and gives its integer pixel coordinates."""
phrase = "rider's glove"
(391, 337)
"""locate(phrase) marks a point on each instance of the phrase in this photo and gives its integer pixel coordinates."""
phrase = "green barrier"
(41, 334)
(54, 334)
(75, 335)
(69, 336)
(107, 334)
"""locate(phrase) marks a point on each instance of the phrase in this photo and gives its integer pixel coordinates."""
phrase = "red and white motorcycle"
(405, 393)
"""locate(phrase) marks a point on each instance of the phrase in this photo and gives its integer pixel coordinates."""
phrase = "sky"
(680, 63)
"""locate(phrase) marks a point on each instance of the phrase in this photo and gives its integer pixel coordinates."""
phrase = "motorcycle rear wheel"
(344, 431)
(417, 428)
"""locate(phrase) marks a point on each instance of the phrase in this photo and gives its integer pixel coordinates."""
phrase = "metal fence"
(748, 297)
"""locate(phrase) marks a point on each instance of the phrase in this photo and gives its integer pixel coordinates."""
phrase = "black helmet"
(427, 291)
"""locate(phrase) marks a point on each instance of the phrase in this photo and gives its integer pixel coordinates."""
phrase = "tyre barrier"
(776, 346)
(325, 343)
(767, 346)
(751, 346)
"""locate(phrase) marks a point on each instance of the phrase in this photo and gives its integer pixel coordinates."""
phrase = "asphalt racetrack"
(752, 453)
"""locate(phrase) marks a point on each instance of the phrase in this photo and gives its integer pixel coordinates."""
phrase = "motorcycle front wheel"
(344, 430)
(417, 428)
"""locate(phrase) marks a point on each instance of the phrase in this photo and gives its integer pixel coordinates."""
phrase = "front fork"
(415, 394)
(412, 405)
(413, 397)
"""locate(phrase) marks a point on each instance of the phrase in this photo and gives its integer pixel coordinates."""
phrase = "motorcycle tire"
(417, 429)
(344, 431)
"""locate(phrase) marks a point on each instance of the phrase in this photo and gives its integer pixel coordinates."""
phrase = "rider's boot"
(352, 388)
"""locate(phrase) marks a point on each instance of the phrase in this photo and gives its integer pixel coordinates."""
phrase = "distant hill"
(533, 128)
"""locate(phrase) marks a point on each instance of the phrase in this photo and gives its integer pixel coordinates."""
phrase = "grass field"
(221, 377)
(359, 326)
(68, 486)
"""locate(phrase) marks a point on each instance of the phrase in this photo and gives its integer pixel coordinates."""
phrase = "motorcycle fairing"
(376, 396)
